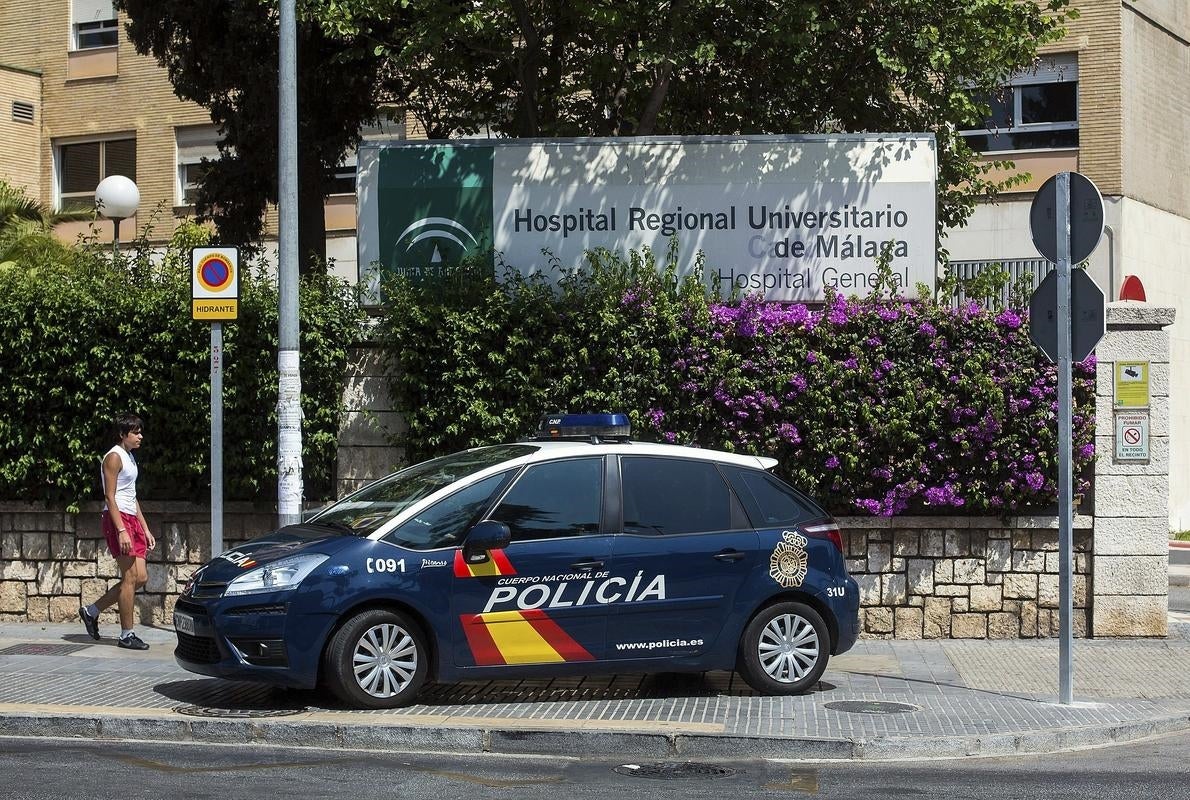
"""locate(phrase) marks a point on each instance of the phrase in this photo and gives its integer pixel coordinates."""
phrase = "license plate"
(183, 623)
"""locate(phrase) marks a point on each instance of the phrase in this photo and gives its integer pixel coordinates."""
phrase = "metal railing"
(1017, 269)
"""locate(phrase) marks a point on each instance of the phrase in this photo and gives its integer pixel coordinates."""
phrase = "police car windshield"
(368, 509)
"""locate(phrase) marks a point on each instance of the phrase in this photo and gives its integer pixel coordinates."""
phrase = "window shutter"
(91, 10)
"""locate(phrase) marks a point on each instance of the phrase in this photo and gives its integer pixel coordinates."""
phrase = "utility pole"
(289, 385)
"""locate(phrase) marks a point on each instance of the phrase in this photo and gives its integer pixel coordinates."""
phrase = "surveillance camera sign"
(215, 284)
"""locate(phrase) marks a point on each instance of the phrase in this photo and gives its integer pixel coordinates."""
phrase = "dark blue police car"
(577, 552)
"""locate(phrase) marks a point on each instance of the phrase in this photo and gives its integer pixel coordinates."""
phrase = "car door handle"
(586, 565)
(728, 556)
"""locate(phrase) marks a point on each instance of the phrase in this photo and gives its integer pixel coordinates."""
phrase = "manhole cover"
(871, 707)
(30, 649)
(236, 713)
(674, 772)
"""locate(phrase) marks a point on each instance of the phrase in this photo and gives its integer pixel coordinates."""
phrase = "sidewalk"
(961, 698)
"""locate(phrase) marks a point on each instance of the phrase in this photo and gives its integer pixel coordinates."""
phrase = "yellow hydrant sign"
(215, 283)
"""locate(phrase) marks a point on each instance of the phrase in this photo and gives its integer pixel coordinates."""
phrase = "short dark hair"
(128, 423)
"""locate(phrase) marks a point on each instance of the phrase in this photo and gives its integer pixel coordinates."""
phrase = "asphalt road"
(43, 769)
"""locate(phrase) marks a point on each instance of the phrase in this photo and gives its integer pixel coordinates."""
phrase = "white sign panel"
(1132, 436)
(782, 216)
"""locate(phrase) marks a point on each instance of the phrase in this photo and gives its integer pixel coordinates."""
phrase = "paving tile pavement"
(988, 697)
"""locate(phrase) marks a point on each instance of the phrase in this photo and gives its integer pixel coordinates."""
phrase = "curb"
(507, 741)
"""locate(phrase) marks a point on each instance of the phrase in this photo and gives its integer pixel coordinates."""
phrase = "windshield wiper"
(337, 526)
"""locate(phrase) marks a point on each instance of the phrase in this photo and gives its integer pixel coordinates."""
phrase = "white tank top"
(125, 480)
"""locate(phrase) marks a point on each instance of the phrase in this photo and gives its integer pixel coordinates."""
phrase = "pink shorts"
(140, 542)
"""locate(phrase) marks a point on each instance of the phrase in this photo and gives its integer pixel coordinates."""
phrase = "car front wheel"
(377, 659)
(784, 649)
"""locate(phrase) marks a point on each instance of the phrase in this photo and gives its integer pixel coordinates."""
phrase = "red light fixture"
(1132, 289)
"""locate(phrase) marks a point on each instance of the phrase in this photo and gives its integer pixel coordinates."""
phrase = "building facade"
(1112, 101)
(77, 104)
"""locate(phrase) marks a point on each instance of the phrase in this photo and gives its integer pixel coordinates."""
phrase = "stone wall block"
(72, 586)
(13, 597)
(919, 574)
(951, 589)
(1046, 541)
(106, 565)
(986, 598)
(93, 589)
(10, 545)
(49, 578)
(936, 624)
(88, 526)
(35, 546)
(1121, 616)
(1028, 561)
(893, 590)
(908, 623)
(25, 522)
(857, 544)
(1047, 591)
(85, 549)
(1028, 616)
(869, 589)
(1131, 575)
(1132, 536)
(856, 566)
(944, 571)
(176, 547)
(879, 557)
(969, 626)
(159, 578)
(933, 543)
(969, 570)
(1022, 540)
(906, 543)
(998, 555)
(18, 571)
(39, 609)
(62, 546)
(1003, 625)
(1020, 587)
(878, 620)
(957, 543)
(1131, 495)
(78, 569)
(64, 609)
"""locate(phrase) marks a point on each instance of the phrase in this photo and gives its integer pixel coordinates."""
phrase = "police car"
(579, 551)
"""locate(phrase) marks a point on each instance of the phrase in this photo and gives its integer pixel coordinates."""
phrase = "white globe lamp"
(117, 198)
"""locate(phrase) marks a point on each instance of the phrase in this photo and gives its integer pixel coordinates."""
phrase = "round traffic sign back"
(1086, 218)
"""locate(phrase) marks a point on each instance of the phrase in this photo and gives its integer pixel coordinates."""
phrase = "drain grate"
(674, 772)
(36, 649)
(871, 707)
(236, 713)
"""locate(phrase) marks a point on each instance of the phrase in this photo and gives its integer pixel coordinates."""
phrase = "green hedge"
(83, 338)
(876, 405)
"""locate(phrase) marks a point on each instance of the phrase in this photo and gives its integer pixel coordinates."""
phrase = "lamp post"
(117, 198)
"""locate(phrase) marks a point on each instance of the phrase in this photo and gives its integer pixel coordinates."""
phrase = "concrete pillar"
(1130, 583)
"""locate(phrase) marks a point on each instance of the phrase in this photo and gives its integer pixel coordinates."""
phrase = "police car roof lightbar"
(584, 426)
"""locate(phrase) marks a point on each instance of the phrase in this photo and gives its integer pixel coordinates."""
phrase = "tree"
(27, 229)
(222, 55)
(638, 67)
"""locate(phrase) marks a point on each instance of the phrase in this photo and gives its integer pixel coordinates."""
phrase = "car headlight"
(279, 576)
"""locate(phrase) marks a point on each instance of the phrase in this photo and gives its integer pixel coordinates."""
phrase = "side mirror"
(485, 536)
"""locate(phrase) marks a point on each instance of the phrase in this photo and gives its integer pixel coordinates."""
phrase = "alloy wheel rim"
(788, 648)
(384, 660)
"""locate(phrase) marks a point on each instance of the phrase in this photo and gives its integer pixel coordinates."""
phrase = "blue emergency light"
(561, 425)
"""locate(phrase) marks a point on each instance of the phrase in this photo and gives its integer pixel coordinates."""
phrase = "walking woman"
(124, 528)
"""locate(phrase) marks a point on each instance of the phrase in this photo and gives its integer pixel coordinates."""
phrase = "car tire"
(784, 649)
(377, 659)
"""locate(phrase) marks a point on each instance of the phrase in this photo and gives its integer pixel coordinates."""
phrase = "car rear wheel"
(377, 659)
(784, 649)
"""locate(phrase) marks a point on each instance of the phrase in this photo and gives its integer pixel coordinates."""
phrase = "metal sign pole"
(216, 438)
(1065, 468)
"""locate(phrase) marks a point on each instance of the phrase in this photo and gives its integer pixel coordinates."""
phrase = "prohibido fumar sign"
(782, 215)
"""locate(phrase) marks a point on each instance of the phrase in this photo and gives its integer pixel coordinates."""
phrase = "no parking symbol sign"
(1132, 436)
(215, 283)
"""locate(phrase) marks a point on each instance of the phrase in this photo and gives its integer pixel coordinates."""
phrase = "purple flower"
(1087, 450)
(789, 433)
(1035, 480)
(811, 357)
(654, 416)
(851, 363)
(1008, 319)
(832, 462)
(926, 329)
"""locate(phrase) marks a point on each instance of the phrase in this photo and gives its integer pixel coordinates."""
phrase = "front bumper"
(251, 638)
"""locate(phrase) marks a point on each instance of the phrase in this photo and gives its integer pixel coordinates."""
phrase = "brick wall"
(19, 161)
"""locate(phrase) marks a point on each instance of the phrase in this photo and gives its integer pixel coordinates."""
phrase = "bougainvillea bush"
(876, 405)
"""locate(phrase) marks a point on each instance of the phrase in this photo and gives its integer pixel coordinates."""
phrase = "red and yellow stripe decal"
(497, 564)
(519, 637)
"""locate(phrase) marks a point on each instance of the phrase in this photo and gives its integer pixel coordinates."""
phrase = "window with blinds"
(195, 144)
(82, 165)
